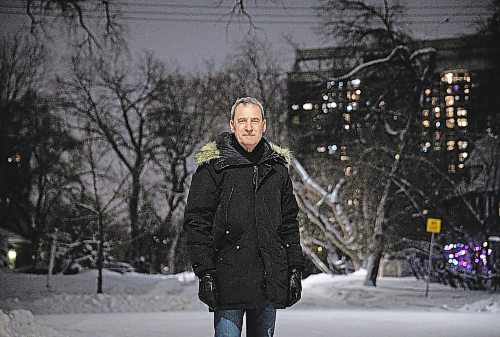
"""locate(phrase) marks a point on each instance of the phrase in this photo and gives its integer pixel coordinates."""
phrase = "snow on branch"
(362, 66)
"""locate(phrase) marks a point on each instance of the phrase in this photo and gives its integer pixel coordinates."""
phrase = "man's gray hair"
(247, 100)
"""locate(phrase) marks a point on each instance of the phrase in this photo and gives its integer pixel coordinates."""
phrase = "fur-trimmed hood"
(223, 152)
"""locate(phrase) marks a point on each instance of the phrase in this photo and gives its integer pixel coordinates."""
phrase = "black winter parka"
(241, 223)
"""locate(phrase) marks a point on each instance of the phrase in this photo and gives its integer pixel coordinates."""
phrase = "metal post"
(429, 266)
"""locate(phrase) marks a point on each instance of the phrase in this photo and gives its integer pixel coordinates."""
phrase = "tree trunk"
(134, 216)
(51, 259)
(100, 254)
(171, 253)
(373, 263)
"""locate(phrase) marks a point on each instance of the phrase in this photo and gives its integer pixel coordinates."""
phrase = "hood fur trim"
(208, 152)
(285, 153)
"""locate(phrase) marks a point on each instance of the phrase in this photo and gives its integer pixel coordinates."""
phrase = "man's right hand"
(207, 290)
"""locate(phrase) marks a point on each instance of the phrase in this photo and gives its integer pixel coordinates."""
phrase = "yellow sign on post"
(433, 225)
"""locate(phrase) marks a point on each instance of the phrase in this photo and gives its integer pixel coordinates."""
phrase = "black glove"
(294, 286)
(207, 290)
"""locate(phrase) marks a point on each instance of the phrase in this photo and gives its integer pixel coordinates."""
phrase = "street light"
(12, 254)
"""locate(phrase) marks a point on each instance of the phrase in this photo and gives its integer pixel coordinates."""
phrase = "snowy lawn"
(156, 305)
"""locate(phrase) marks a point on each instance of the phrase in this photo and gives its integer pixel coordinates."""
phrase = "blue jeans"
(259, 322)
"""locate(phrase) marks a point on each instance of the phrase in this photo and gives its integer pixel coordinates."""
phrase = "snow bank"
(19, 323)
(130, 292)
(491, 304)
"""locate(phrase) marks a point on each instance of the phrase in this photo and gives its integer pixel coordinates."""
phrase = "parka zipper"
(228, 202)
(255, 177)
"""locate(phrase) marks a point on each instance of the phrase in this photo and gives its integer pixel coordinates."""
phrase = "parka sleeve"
(202, 203)
(290, 225)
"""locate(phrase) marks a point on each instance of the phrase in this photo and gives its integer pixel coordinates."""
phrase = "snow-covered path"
(290, 323)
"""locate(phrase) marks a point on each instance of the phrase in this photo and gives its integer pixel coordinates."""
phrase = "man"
(242, 228)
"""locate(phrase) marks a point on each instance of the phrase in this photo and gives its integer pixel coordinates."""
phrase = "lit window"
(349, 107)
(321, 149)
(448, 91)
(325, 97)
(426, 123)
(348, 171)
(347, 127)
(437, 114)
(356, 82)
(428, 91)
(449, 100)
(332, 149)
(461, 112)
(307, 106)
(425, 113)
(428, 144)
(347, 117)
(331, 105)
(461, 165)
(450, 145)
(466, 91)
(344, 158)
(449, 112)
(358, 92)
(467, 78)
(448, 78)
(450, 123)
(462, 122)
(457, 98)
(296, 120)
(437, 109)
(295, 107)
(451, 168)
(462, 144)
(463, 155)
(435, 101)
(438, 124)
(437, 135)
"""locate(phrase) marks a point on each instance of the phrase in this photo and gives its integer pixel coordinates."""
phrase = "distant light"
(295, 107)
(12, 254)
(307, 106)
(448, 78)
(356, 82)
(332, 105)
(319, 249)
(321, 149)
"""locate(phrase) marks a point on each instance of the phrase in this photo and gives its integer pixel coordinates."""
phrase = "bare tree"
(90, 22)
(116, 98)
(358, 215)
(189, 113)
(23, 65)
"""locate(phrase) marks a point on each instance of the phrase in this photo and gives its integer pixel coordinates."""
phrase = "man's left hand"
(294, 286)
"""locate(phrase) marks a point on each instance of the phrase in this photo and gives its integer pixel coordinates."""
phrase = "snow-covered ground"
(156, 305)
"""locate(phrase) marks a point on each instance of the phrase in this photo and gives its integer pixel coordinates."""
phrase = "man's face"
(248, 125)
